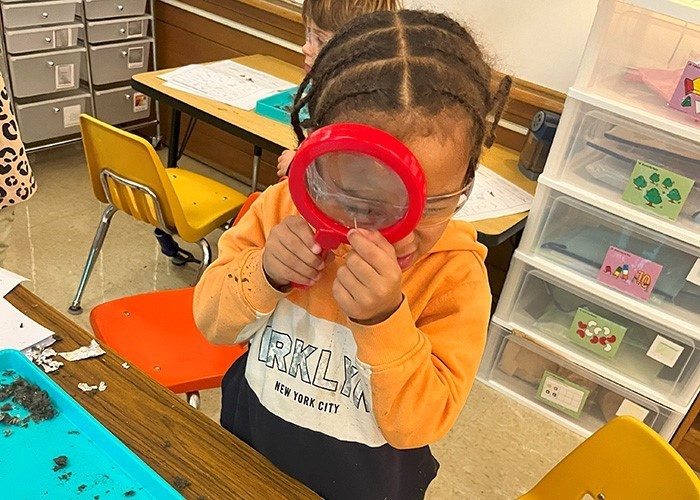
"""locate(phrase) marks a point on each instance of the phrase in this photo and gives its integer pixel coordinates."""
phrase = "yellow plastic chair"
(624, 460)
(127, 175)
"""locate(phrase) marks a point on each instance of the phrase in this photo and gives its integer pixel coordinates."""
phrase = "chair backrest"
(113, 153)
(624, 460)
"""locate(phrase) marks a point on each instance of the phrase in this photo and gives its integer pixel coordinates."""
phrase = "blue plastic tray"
(98, 463)
(277, 106)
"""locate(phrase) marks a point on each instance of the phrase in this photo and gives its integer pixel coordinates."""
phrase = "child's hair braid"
(409, 63)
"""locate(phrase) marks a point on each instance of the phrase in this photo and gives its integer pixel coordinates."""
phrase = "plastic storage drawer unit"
(121, 105)
(578, 398)
(104, 9)
(44, 119)
(21, 15)
(116, 30)
(43, 38)
(45, 72)
(647, 358)
(118, 62)
(637, 56)
(610, 161)
(652, 274)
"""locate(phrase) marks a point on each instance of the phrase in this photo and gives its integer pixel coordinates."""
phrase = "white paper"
(694, 274)
(140, 102)
(43, 357)
(71, 116)
(226, 81)
(90, 351)
(493, 196)
(8, 281)
(18, 331)
(87, 387)
(135, 57)
(665, 351)
(65, 76)
(632, 409)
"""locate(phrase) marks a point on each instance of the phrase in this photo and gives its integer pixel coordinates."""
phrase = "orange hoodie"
(401, 382)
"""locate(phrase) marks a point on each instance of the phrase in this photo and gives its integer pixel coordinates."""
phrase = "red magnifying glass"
(348, 175)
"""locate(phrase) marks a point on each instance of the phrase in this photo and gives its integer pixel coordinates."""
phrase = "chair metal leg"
(194, 399)
(102, 229)
(206, 257)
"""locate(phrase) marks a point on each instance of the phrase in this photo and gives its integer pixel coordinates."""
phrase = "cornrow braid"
(409, 63)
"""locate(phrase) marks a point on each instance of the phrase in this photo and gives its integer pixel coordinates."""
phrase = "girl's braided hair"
(411, 64)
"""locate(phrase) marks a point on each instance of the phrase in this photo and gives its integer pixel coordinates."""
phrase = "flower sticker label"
(561, 394)
(657, 190)
(596, 333)
(629, 273)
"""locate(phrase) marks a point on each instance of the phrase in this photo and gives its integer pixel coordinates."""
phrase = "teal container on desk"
(98, 464)
(279, 106)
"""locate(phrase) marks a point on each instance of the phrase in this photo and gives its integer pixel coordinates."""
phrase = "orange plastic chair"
(156, 332)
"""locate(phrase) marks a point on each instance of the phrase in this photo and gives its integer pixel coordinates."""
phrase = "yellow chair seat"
(206, 204)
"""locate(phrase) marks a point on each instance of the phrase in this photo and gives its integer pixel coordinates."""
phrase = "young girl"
(347, 381)
(322, 19)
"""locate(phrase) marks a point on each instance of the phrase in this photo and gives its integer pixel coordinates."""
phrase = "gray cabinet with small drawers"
(67, 57)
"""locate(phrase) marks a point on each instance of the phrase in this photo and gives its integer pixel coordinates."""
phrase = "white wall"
(537, 40)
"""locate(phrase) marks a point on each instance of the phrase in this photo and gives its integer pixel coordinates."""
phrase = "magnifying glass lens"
(356, 190)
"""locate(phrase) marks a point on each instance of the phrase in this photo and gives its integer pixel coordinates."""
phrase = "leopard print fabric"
(17, 182)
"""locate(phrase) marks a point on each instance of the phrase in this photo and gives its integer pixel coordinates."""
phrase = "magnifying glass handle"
(323, 255)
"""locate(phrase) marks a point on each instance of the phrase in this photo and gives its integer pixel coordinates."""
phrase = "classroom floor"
(498, 449)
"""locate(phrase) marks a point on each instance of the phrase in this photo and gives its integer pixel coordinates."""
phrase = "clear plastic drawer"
(566, 392)
(615, 343)
(656, 276)
(611, 161)
(638, 56)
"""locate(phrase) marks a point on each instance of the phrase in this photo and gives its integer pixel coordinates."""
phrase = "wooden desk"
(143, 415)
(274, 136)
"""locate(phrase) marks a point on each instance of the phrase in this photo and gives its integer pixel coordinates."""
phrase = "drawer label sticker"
(596, 333)
(629, 273)
(71, 116)
(135, 57)
(627, 407)
(62, 37)
(665, 351)
(694, 274)
(140, 102)
(134, 29)
(65, 76)
(561, 394)
(657, 190)
(686, 97)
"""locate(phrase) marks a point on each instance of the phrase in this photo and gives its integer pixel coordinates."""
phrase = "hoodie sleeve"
(421, 370)
(233, 299)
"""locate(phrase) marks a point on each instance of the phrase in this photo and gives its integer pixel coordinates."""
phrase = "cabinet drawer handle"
(127, 97)
(56, 110)
(50, 64)
(45, 15)
(122, 31)
(124, 53)
(120, 7)
(47, 39)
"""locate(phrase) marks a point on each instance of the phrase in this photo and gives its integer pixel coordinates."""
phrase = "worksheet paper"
(493, 196)
(226, 81)
(9, 280)
(18, 331)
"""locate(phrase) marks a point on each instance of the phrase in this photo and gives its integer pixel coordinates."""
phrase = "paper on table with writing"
(493, 196)
(9, 280)
(226, 81)
(18, 331)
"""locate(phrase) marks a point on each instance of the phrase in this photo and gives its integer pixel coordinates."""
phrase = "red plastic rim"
(370, 141)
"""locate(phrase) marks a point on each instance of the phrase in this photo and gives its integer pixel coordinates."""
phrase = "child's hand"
(283, 162)
(368, 287)
(291, 255)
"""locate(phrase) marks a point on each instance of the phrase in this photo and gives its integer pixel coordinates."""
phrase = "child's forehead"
(311, 25)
